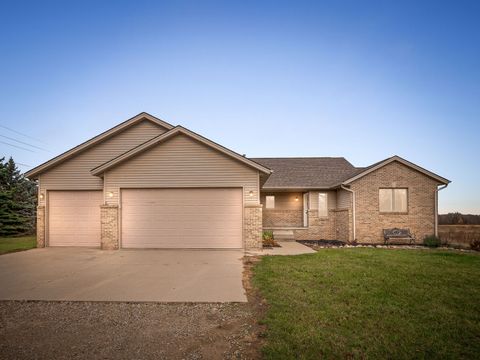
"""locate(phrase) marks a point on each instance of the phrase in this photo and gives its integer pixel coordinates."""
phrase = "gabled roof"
(306, 173)
(168, 135)
(95, 140)
(361, 172)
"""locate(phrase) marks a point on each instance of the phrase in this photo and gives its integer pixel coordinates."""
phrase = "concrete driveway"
(78, 274)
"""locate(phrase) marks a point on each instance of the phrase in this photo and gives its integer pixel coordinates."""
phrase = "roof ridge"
(299, 157)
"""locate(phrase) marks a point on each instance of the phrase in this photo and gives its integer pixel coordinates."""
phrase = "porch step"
(283, 235)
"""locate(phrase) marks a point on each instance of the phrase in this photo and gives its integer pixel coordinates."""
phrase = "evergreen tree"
(17, 201)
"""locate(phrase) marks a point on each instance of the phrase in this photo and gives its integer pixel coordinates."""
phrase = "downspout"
(436, 207)
(353, 210)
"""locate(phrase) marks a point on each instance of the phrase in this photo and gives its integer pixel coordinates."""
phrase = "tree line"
(458, 219)
(18, 201)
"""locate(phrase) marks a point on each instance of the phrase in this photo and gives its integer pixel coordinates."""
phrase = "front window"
(322, 204)
(393, 200)
(270, 202)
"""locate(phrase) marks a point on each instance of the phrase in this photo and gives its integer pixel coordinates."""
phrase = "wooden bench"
(398, 234)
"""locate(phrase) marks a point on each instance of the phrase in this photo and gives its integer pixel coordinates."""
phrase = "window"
(393, 200)
(270, 202)
(322, 204)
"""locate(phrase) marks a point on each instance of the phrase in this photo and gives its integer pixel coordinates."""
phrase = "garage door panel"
(74, 218)
(182, 218)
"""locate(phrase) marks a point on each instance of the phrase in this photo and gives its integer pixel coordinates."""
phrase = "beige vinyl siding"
(331, 200)
(344, 199)
(182, 162)
(74, 173)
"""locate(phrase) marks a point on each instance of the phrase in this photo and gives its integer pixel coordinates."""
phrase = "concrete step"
(283, 235)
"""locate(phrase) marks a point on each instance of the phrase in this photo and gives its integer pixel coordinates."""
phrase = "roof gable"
(361, 172)
(99, 170)
(33, 173)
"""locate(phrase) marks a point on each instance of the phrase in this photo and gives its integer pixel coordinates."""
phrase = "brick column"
(109, 225)
(40, 226)
(252, 227)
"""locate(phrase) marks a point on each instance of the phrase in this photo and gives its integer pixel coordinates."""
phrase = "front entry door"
(305, 209)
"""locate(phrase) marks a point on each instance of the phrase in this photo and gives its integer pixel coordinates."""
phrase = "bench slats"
(398, 234)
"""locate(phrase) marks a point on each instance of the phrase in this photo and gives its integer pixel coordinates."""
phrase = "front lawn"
(11, 244)
(371, 303)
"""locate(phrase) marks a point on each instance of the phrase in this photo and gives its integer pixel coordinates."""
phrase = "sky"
(360, 79)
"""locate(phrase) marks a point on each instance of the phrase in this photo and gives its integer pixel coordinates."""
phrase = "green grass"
(11, 244)
(371, 303)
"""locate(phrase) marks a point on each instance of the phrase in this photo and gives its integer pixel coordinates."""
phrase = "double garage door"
(151, 218)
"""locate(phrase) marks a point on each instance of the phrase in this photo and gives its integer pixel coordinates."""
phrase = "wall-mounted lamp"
(296, 198)
(42, 196)
(250, 193)
(110, 194)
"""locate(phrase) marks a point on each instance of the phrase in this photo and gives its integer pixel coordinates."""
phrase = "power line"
(24, 143)
(18, 147)
(19, 133)
(17, 163)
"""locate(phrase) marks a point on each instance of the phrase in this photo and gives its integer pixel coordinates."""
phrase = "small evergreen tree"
(17, 201)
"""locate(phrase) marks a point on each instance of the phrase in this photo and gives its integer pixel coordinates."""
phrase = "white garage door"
(182, 218)
(74, 218)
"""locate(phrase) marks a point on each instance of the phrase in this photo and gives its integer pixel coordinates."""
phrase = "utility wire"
(17, 163)
(19, 133)
(24, 143)
(18, 147)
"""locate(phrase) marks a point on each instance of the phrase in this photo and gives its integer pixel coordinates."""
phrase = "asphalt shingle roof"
(312, 172)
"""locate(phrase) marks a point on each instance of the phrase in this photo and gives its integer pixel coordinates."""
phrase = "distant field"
(459, 235)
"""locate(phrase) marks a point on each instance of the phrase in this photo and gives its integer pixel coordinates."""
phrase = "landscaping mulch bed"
(323, 244)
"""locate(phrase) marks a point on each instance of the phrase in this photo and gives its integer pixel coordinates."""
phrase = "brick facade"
(275, 217)
(252, 226)
(343, 225)
(109, 227)
(319, 228)
(40, 226)
(420, 218)
(370, 222)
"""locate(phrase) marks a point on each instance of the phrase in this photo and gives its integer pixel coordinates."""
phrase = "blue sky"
(363, 80)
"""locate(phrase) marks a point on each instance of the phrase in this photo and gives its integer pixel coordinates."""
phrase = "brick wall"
(40, 226)
(252, 226)
(342, 224)
(319, 228)
(109, 227)
(280, 218)
(420, 218)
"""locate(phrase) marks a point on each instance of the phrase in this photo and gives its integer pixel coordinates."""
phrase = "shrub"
(475, 244)
(267, 235)
(431, 241)
(268, 238)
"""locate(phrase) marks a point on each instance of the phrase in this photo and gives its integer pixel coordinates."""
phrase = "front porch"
(305, 215)
(284, 210)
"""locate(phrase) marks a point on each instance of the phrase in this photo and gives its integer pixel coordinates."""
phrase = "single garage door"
(182, 218)
(74, 218)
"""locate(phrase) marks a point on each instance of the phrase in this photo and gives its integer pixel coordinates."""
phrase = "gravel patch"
(95, 330)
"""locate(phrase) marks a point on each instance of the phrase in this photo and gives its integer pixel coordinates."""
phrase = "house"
(148, 184)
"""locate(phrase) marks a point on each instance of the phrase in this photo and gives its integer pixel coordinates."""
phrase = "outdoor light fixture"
(42, 196)
(250, 193)
(110, 194)
(296, 198)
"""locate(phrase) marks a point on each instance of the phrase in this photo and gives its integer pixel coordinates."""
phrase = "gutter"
(436, 206)
(353, 210)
